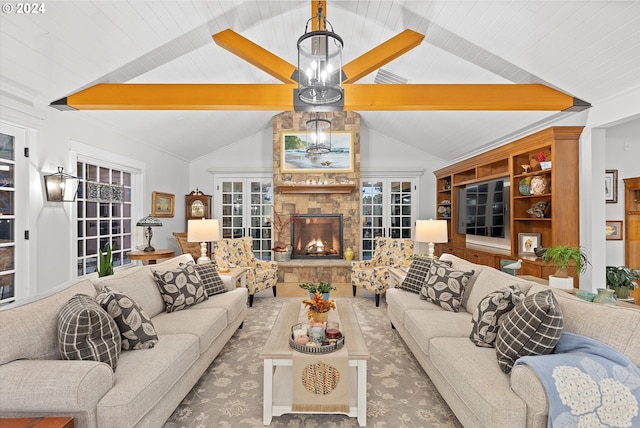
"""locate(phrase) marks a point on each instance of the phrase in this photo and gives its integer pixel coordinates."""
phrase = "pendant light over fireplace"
(319, 73)
(318, 135)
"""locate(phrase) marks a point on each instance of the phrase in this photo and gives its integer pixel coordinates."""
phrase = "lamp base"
(203, 259)
(203, 254)
(431, 251)
(149, 248)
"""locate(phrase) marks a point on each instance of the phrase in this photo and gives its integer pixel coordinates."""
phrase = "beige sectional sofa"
(147, 385)
(468, 377)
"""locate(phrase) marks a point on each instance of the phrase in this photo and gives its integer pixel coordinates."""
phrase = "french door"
(388, 207)
(244, 206)
(14, 283)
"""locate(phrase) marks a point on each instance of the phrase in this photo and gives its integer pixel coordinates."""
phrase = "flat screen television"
(483, 209)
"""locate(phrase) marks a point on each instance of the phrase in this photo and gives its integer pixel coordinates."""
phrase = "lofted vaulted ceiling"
(588, 50)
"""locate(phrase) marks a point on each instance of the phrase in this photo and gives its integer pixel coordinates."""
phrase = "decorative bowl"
(586, 295)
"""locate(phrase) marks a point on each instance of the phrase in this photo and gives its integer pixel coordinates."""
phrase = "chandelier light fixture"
(319, 73)
(318, 135)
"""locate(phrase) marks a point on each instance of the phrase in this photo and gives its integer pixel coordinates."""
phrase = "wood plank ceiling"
(588, 50)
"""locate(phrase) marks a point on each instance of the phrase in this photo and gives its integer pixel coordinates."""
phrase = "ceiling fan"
(358, 97)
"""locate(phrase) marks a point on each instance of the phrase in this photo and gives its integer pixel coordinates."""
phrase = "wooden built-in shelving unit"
(561, 222)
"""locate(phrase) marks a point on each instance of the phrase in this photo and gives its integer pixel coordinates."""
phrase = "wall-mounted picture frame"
(527, 242)
(162, 204)
(613, 230)
(611, 186)
(297, 156)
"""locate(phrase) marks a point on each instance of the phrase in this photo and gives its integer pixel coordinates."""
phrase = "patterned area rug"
(229, 394)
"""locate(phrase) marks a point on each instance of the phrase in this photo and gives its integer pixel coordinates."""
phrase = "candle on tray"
(333, 330)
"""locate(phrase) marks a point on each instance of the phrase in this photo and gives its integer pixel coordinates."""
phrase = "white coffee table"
(278, 359)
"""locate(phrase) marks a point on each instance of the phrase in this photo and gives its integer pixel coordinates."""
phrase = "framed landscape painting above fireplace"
(296, 156)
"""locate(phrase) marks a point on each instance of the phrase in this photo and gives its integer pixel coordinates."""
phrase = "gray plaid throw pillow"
(445, 286)
(209, 276)
(180, 288)
(533, 327)
(418, 271)
(87, 332)
(135, 326)
(489, 312)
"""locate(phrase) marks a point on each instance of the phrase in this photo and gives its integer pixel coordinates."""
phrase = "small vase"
(348, 254)
(325, 296)
(319, 316)
(605, 296)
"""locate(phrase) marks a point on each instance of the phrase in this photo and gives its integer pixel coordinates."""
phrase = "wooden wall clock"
(198, 205)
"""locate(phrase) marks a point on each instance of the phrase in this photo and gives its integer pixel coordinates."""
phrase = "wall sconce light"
(61, 187)
(203, 231)
(148, 222)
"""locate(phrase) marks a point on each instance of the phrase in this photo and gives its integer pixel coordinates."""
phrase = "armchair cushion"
(374, 274)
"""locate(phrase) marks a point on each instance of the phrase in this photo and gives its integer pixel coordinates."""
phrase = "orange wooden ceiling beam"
(255, 55)
(358, 97)
(381, 55)
(363, 97)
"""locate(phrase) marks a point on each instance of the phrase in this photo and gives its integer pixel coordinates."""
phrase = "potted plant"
(323, 288)
(562, 256)
(621, 280)
(105, 262)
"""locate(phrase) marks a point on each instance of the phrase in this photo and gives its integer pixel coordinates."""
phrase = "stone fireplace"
(316, 236)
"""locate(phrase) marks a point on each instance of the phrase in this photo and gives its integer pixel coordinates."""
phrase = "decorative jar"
(348, 254)
(539, 185)
(605, 296)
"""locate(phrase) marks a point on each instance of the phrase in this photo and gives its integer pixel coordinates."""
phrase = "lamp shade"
(431, 231)
(205, 230)
(61, 187)
(149, 221)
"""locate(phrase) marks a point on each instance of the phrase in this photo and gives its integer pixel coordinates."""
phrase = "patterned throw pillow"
(489, 312)
(135, 326)
(209, 276)
(533, 327)
(87, 332)
(445, 286)
(180, 288)
(417, 273)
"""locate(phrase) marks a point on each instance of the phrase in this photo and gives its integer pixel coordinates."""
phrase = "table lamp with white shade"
(433, 232)
(203, 231)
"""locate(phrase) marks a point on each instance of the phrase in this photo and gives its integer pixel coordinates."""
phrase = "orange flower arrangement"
(318, 305)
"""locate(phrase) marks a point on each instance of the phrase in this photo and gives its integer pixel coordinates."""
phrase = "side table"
(43, 422)
(151, 256)
(230, 278)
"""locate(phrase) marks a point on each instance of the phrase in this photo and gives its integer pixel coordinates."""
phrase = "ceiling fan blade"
(494, 97)
(132, 96)
(255, 55)
(381, 55)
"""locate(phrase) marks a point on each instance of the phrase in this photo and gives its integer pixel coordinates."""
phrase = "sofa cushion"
(180, 288)
(445, 285)
(135, 327)
(209, 276)
(424, 325)
(533, 327)
(233, 302)
(400, 301)
(31, 325)
(87, 332)
(417, 274)
(488, 313)
(473, 378)
(205, 324)
(465, 265)
(489, 280)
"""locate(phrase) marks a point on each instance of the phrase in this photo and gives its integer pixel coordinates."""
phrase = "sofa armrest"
(525, 383)
(361, 264)
(53, 385)
(263, 264)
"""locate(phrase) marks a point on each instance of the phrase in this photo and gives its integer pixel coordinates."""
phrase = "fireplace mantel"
(317, 188)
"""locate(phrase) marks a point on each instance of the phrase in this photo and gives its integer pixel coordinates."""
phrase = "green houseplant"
(562, 256)
(105, 262)
(320, 287)
(621, 279)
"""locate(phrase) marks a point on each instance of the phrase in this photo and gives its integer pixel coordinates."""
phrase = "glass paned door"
(387, 210)
(245, 207)
(7, 222)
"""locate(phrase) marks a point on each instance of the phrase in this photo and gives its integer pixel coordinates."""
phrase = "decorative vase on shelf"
(539, 185)
(524, 187)
(348, 254)
(605, 296)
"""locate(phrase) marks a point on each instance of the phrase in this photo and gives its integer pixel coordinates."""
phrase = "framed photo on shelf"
(611, 186)
(297, 155)
(527, 242)
(162, 204)
(613, 230)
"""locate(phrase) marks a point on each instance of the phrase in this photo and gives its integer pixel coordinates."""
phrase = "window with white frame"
(104, 212)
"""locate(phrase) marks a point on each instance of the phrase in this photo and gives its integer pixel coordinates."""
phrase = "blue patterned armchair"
(374, 274)
(238, 252)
